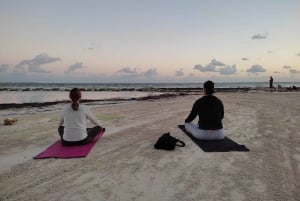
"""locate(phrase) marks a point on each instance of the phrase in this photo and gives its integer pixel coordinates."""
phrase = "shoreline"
(166, 93)
(4, 106)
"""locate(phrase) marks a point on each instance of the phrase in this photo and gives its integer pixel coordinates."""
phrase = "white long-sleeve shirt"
(75, 122)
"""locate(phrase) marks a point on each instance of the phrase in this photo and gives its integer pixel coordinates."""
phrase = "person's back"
(210, 111)
(75, 123)
(74, 117)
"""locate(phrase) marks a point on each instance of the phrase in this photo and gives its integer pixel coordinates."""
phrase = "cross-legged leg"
(93, 132)
(204, 134)
(61, 131)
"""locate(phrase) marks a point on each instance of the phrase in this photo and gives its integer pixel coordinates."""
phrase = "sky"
(149, 41)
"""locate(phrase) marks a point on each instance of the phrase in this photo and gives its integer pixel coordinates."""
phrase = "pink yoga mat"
(56, 150)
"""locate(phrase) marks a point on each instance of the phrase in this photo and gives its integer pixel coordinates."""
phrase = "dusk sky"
(149, 41)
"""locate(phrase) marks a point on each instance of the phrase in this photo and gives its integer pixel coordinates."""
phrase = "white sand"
(123, 165)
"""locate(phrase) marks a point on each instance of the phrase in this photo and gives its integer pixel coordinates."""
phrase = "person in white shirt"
(74, 117)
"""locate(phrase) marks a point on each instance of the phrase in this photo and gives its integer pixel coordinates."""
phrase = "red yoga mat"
(56, 150)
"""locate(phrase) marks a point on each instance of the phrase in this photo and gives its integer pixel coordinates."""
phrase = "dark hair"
(75, 95)
(209, 87)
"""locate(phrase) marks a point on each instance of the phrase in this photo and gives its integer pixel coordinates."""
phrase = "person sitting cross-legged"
(210, 111)
(74, 117)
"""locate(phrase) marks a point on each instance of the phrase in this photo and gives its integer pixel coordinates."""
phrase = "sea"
(24, 98)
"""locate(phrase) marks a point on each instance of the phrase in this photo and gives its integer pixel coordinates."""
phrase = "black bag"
(167, 142)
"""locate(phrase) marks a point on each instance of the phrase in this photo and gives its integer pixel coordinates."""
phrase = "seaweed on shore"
(45, 104)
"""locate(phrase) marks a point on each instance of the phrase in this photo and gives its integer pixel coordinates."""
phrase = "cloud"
(217, 66)
(34, 65)
(180, 72)
(207, 68)
(270, 52)
(152, 72)
(216, 63)
(293, 71)
(298, 54)
(256, 69)
(211, 67)
(20, 68)
(276, 72)
(74, 67)
(228, 70)
(4, 67)
(244, 59)
(128, 70)
(259, 36)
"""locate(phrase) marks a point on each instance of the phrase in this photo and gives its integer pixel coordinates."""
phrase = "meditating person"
(74, 117)
(210, 111)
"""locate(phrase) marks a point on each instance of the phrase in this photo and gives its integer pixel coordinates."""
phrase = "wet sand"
(123, 165)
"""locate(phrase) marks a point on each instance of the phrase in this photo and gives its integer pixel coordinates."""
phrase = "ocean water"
(30, 98)
(20, 97)
(57, 92)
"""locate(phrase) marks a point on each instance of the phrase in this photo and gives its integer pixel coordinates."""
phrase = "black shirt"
(210, 110)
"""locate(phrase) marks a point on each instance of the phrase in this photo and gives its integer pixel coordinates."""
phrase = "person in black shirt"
(210, 111)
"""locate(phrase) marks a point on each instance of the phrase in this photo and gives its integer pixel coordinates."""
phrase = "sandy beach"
(124, 166)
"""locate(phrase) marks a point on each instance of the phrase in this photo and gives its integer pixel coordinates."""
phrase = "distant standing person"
(271, 82)
(210, 111)
(73, 117)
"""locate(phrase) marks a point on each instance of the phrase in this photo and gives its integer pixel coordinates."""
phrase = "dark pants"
(92, 133)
